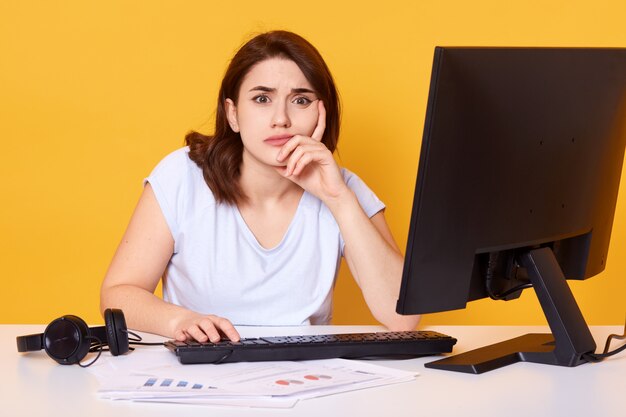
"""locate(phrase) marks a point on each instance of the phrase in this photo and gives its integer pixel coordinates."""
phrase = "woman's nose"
(281, 116)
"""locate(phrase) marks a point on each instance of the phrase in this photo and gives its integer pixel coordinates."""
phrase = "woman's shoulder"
(352, 180)
(177, 167)
(176, 173)
(368, 199)
(348, 175)
(177, 160)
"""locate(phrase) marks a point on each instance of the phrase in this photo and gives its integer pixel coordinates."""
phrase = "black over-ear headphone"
(69, 339)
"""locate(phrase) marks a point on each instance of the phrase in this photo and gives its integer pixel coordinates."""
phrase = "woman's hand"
(204, 327)
(311, 165)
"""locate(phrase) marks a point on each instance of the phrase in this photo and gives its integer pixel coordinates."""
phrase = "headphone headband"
(30, 343)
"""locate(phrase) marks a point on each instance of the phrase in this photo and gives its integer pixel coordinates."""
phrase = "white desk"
(35, 385)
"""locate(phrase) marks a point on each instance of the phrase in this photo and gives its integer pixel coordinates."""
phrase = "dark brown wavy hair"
(220, 155)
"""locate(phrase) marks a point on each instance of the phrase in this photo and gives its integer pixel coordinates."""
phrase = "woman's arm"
(371, 253)
(135, 271)
(374, 260)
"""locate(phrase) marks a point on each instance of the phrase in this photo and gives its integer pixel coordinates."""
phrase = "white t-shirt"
(218, 267)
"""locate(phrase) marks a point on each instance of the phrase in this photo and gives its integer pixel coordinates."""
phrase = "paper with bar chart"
(155, 375)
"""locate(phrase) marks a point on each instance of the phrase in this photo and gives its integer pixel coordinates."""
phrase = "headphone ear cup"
(66, 340)
(117, 333)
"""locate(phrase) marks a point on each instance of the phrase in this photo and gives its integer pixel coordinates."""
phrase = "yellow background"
(93, 94)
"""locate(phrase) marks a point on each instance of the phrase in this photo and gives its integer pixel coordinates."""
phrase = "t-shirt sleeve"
(169, 181)
(370, 203)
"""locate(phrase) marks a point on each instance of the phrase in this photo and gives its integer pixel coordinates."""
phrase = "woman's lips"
(278, 140)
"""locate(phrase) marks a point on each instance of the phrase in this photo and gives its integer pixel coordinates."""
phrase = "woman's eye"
(302, 101)
(262, 99)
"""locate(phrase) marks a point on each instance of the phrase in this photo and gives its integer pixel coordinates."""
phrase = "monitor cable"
(597, 357)
(505, 294)
(492, 264)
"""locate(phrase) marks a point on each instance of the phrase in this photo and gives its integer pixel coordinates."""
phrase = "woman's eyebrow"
(302, 91)
(265, 89)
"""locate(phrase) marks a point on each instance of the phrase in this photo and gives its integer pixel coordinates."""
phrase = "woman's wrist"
(345, 201)
(178, 317)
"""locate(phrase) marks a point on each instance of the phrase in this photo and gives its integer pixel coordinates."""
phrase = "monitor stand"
(565, 346)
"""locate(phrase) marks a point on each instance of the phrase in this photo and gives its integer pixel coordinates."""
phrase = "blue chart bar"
(171, 382)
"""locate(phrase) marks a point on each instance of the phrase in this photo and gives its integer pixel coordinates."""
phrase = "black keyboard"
(291, 348)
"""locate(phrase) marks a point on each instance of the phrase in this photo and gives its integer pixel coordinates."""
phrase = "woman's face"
(275, 103)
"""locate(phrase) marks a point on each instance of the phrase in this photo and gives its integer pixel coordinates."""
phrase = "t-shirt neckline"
(252, 238)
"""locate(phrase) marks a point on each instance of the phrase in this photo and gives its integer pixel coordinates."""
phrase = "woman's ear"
(231, 115)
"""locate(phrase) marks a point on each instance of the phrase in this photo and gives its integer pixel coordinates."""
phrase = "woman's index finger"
(318, 133)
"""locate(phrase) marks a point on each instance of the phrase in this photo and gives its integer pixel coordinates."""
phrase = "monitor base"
(534, 347)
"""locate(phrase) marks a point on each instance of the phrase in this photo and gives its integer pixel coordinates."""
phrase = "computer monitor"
(517, 183)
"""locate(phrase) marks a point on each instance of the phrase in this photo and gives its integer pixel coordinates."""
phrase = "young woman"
(248, 226)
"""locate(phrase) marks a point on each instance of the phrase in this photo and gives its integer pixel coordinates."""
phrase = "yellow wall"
(94, 94)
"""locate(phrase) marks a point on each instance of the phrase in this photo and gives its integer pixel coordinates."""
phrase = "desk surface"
(34, 385)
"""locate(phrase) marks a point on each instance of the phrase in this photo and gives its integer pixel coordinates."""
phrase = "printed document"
(154, 374)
